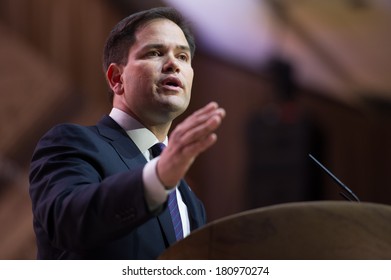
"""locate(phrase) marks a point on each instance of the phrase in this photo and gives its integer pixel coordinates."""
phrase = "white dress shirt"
(155, 192)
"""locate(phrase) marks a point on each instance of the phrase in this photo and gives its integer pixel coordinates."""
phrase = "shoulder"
(69, 128)
(69, 137)
(63, 133)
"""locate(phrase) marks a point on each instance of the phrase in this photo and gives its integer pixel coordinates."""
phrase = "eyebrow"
(161, 46)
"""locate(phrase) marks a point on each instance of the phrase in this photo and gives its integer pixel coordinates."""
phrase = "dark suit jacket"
(88, 199)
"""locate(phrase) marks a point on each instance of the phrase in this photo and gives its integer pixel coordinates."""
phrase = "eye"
(183, 57)
(154, 53)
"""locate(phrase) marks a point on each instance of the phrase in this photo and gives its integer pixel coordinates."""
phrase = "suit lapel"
(192, 205)
(131, 156)
(165, 217)
(125, 147)
(166, 226)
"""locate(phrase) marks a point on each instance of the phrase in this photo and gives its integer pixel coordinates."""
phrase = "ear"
(114, 78)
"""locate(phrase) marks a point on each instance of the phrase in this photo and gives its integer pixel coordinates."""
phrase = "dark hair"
(122, 36)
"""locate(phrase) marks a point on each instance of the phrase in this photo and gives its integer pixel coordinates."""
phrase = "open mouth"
(172, 82)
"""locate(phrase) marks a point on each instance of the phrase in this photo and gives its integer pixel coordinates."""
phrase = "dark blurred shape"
(10, 172)
(282, 74)
(359, 4)
(279, 139)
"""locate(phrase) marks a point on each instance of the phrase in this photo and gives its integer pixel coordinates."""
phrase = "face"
(155, 84)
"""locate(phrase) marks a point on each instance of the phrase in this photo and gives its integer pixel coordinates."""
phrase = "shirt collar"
(141, 136)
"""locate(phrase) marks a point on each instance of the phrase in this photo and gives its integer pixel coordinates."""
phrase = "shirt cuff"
(155, 192)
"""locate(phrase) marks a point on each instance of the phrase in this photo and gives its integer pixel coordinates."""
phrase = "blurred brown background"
(50, 54)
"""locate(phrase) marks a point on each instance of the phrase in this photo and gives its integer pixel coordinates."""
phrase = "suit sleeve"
(79, 198)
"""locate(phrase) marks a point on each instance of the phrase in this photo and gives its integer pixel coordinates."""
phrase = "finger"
(202, 130)
(203, 113)
(198, 119)
(196, 148)
(207, 108)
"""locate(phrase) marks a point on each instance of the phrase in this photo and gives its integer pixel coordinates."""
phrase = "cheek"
(189, 78)
(138, 81)
(145, 76)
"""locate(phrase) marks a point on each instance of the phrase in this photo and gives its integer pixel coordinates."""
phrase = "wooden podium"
(322, 230)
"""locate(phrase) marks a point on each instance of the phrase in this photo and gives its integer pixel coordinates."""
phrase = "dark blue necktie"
(172, 200)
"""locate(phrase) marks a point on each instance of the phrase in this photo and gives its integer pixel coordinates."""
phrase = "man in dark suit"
(101, 192)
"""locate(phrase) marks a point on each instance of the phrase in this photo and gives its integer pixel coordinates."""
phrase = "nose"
(171, 65)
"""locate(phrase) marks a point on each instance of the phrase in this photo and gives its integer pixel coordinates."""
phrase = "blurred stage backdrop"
(295, 77)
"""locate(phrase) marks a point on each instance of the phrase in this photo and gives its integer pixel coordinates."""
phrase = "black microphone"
(351, 195)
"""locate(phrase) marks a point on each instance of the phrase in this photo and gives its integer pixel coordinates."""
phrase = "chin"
(177, 110)
(176, 104)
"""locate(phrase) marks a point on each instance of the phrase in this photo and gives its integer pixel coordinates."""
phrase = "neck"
(157, 125)
(160, 131)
